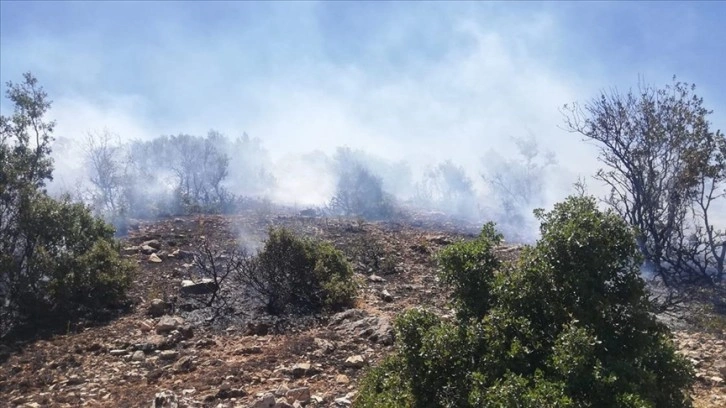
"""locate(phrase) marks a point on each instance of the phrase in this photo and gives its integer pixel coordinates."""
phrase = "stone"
(376, 279)
(75, 380)
(154, 258)
(356, 361)
(165, 399)
(342, 379)
(202, 287)
(301, 394)
(169, 355)
(168, 323)
(386, 296)
(138, 356)
(147, 250)
(300, 369)
(267, 401)
(154, 243)
(343, 402)
(157, 308)
(183, 365)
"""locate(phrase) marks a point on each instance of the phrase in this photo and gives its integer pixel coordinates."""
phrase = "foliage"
(568, 325)
(666, 170)
(298, 275)
(57, 262)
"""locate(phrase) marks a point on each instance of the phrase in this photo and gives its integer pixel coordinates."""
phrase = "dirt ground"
(317, 362)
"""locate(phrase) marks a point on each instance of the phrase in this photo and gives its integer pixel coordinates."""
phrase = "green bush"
(57, 262)
(300, 275)
(568, 325)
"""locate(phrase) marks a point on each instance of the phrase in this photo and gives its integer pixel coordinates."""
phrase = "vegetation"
(666, 169)
(447, 188)
(359, 193)
(57, 262)
(567, 325)
(292, 274)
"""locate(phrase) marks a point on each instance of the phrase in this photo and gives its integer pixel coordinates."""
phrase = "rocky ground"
(164, 352)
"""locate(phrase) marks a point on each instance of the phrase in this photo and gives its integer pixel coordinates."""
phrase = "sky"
(420, 81)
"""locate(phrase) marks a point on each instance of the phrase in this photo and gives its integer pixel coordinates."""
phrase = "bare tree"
(665, 168)
(103, 156)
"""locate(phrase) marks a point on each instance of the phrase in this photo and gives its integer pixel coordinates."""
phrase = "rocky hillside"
(170, 350)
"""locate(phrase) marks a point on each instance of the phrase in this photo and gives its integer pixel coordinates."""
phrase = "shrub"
(568, 325)
(57, 262)
(299, 275)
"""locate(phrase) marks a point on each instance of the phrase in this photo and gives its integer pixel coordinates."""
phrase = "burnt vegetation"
(569, 322)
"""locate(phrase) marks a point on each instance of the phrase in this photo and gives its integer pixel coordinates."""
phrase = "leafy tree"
(665, 168)
(57, 261)
(567, 325)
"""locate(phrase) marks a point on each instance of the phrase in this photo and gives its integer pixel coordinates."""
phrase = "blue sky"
(420, 81)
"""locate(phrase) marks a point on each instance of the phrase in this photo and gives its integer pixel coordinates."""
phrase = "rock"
(257, 329)
(386, 296)
(227, 392)
(267, 401)
(375, 278)
(147, 250)
(281, 391)
(202, 287)
(157, 308)
(343, 402)
(184, 365)
(168, 323)
(342, 379)
(301, 394)
(154, 243)
(138, 356)
(75, 380)
(165, 399)
(300, 369)
(130, 250)
(169, 355)
(356, 362)
(153, 258)
(325, 346)
(376, 329)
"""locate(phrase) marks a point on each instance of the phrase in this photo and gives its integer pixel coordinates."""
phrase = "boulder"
(202, 287)
(168, 323)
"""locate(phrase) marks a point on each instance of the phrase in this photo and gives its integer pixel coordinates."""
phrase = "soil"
(315, 361)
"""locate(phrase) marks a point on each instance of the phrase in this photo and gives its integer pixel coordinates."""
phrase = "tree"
(665, 168)
(57, 261)
(567, 325)
(446, 187)
(518, 185)
(359, 192)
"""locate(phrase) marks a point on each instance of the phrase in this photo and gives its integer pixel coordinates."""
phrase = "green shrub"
(568, 325)
(57, 262)
(300, 275)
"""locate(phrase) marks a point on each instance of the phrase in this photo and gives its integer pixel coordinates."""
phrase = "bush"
(299, 275)
(568, 325)
(57, 262)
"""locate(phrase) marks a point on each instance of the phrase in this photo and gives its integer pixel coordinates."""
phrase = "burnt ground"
(316, 361)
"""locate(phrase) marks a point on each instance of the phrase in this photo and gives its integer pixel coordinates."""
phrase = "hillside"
(146, 357)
